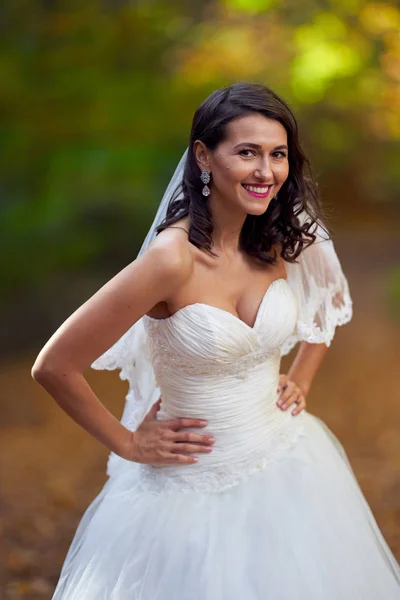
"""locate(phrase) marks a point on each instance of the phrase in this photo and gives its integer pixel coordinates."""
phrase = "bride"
(221, 485)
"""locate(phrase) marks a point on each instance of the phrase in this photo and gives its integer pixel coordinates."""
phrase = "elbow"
(49, 369)
(40, 371)
(44, 370)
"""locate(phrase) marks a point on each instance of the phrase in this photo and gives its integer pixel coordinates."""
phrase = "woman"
(225, 488)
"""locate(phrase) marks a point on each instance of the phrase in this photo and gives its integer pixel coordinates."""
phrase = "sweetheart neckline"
(226, 312)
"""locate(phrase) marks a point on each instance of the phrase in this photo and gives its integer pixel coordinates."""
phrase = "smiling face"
(250, 166)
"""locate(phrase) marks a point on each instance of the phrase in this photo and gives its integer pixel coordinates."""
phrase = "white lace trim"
(334, 317)
(120, 356)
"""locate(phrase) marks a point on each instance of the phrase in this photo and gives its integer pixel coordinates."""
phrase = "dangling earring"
(205, 178)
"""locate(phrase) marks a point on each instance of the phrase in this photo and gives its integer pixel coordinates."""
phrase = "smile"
(256, 190)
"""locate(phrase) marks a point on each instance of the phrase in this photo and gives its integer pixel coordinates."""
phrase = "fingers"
(179, 445)
(180, 423)
(182, 452)
(283, 380)
(292, 394)
(178, 448)
(153, 411)
(186, 442)
(289, 395)
(193, 438)
(181, 458)
(301, 405)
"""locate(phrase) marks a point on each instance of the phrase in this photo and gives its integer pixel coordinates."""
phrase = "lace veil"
(323, 300)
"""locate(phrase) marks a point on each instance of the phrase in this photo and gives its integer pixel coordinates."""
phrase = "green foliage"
(251, 6)
(97, 99)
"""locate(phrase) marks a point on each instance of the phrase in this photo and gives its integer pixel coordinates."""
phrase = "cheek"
(237, 172)
(230, 174)
(282, 172)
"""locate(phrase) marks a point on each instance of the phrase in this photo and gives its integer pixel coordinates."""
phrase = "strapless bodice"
(211, 365)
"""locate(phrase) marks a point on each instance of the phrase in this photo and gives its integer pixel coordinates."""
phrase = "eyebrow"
(258, 147)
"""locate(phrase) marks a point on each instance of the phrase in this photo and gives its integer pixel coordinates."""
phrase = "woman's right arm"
(95, 327)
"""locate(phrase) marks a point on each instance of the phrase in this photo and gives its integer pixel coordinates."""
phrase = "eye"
(282, 154)
(252, 152)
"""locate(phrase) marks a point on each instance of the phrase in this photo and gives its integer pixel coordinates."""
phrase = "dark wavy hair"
(298, 196)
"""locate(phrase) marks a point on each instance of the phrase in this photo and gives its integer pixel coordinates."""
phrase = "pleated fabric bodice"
(211, 365)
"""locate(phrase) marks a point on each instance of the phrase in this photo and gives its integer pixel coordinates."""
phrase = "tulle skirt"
(298, 529)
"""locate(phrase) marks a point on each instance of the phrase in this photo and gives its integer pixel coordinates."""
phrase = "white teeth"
(257, 190)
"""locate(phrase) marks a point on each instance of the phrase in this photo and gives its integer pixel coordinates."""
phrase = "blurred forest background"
(96, 102)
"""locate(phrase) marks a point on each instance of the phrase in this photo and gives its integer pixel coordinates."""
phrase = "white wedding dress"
(274, 512)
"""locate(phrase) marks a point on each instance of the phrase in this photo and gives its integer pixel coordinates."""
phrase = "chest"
(206, 336)
(237, 287)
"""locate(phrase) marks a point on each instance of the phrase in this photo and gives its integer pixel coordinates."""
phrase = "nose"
(264, 171)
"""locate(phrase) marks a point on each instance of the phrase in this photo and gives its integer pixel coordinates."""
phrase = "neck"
(228, 222)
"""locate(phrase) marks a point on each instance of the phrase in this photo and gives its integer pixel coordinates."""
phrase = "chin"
(255, 206)
(256, 210)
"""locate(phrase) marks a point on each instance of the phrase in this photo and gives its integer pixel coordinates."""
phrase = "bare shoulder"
(94, 327)
(171, 253)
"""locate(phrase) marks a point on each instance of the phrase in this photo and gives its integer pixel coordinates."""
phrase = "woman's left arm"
(294, 386)
(323, 301)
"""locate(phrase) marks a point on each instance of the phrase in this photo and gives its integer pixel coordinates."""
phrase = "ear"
(202, 155)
